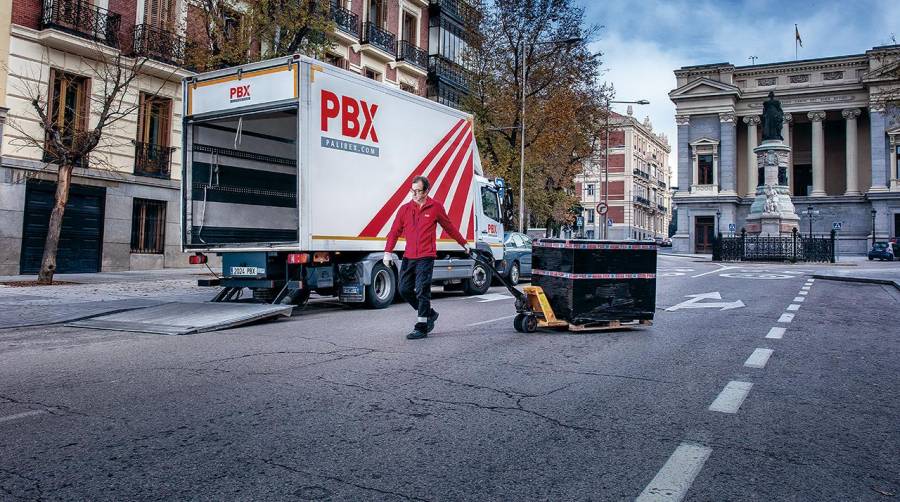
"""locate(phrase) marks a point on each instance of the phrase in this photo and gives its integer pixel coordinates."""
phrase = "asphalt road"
(335, 404)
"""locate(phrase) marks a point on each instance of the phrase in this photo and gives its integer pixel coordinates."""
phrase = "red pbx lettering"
(349, 109)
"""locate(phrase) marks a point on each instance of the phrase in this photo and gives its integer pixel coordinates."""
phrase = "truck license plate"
(252, 271)
(354, 293)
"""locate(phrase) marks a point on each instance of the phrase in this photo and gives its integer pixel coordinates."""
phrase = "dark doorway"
(896, 224)
(704, 233)
(81, 237)
(802, 180)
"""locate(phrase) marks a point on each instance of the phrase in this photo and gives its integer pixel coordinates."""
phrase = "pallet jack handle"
(520, 296)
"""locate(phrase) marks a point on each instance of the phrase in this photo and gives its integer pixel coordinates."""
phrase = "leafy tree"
(564, 102)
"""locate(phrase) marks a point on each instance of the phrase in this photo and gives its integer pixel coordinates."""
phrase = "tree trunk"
(48, 263)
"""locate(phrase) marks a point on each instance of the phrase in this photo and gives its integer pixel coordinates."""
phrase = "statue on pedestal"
(772, 119)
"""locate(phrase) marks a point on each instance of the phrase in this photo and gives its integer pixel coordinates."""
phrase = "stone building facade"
(638, 191)
(840, 123)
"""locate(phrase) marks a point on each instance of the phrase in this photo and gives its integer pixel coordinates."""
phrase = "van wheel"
(380, 293)
(514, 275)
(480, 281)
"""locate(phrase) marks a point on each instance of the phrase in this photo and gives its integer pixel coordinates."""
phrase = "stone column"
(818, 153)
(752, 178)
(851, 162)
(685, 166)
(727, 154)
(877, 128)
(786, 132)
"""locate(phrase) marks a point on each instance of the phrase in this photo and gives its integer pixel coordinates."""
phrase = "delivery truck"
(293, 171)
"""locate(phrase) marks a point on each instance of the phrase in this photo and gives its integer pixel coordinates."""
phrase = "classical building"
(839, 122)
(639, 197)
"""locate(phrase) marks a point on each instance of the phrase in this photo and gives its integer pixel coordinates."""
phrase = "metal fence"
(791, 248)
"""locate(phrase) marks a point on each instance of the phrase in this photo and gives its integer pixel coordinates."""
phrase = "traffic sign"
(732, 227)
(579, 221)
(609, 222)
(836, 225)
(602, 208)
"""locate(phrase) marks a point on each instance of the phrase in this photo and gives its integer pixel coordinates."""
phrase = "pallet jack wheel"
(518, 323)
(529, 323)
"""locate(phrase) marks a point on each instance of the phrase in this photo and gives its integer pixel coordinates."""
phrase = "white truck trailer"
(293, 171)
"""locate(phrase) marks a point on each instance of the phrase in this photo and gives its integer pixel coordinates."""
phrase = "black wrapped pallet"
(590, 281)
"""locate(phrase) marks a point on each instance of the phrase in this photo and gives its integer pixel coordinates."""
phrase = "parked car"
(516, 256)
(880, 250)
(666, 243)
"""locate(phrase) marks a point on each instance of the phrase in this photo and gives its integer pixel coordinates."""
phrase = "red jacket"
(418, 225)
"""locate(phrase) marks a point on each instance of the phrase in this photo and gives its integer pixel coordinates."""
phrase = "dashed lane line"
(793, 307)
(799, 299)
(24, 414)
(758, 358)
(804, 293)
(805, 288)
(673, 481)
(775, 333)
(731, 397)
(786, 318)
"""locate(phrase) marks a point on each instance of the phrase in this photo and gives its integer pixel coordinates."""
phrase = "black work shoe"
(431, 320)
(416, 334)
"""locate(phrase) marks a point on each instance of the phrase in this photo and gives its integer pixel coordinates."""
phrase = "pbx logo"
(350, 111)
(239, 93)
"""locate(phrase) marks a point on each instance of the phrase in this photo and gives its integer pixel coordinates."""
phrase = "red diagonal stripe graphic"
(441, 194)
(381, 218)
(457, 208)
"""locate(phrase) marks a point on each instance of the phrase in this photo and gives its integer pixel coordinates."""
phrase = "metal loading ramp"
(185, 318)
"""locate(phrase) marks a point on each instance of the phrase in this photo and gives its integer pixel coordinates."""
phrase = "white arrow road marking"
(720, 269)
(694, 303)
(491, 297)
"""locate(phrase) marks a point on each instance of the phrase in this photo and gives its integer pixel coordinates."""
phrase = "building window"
(377, 12)
(590, 189)
(590, 216)
(152, 155)
(704, 169)
(408, 88)
(68, 111)
(335, 60)
(148, 226)
(409, 30)
(370, 73)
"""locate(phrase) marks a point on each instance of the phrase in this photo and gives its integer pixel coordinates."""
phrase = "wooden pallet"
(608, 325)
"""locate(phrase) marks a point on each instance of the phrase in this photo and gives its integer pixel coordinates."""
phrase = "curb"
(866, 280)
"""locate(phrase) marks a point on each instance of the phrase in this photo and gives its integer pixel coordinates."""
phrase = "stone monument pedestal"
(772, 212)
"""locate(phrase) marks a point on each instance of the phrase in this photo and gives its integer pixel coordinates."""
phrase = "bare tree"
(75, 121)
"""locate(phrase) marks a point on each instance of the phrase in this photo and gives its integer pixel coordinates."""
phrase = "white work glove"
(468, 249)
(387, 259)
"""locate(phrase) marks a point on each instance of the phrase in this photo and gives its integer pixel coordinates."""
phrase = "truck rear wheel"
(381, 291)
(480, 281)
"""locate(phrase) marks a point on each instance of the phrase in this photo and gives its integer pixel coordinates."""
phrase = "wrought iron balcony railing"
(642, 200)
(661, 183)
(377, 37)
(152, 160)
(661, 207)
(346, 21)
(445, 70)
(156, 43)
(413, 55)
(82, 19)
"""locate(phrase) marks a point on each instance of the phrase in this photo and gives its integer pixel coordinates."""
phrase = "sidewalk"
(860, 269)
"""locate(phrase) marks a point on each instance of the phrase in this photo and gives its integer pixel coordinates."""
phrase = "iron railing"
(791, 248)
(661, 184)
(641, 200)
(82, 19)
(411, 54)
(445, 70)
(159, 44)
(661, 207)
(346, 21)
(457, 9)
(378, 37)
(152, 160)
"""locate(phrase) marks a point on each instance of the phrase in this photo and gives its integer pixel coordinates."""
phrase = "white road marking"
(491, 297)
(721, 269)
(786, 318)
(810, 281)
(755, 275)
(799, 299)
(673, 481)
(776, 333)
(805, 288)
(793, 307)
(491, 320)
(731, 397)
(758, 358)
(22, 415)
(804, 293)
(694, 303)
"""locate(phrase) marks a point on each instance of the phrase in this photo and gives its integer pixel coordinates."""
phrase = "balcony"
(642, 174)
(661, 183)
(158, 44)
(411, 56)
(661, 207)
(458, 10)
(380, 39)
(641, 200)
(446, 71)
(82, 19)
(347, 23)
(154, 161)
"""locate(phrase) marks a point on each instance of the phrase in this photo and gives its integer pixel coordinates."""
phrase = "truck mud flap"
(185, 318)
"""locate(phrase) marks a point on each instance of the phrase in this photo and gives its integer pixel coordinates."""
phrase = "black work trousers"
(415, 284)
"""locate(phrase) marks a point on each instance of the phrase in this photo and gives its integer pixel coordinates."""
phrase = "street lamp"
(522, 44)
(809, 214)
(874, 212)
(718, 217)
(609, 102)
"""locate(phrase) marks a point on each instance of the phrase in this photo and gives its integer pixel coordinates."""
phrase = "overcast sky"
(644, 41)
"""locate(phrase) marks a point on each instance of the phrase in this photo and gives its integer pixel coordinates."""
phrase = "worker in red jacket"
(416, 221)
